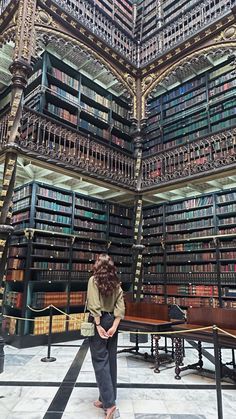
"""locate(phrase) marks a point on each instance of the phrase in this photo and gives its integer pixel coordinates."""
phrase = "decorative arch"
(150, 82)
(45, 34)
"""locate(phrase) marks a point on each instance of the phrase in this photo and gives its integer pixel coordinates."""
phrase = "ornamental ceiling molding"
(8, 35)
(44, 34)
(150, 82)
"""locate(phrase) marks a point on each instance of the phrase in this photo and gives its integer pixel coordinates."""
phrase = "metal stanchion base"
(51, 359)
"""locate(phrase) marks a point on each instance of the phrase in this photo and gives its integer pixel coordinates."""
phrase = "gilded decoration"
(43, 18)
(228, 34)
(25, 29)
(151, 81)
(8, 35)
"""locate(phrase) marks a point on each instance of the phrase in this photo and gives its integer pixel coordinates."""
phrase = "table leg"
(157, 359)
(178, 357)
(152, 345)
(200, 361)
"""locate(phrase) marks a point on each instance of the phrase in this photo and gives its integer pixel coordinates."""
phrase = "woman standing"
(106, 305)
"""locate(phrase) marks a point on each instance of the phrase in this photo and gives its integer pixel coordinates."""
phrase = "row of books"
(65, 78)
(193, 302)
(15, 275)
(152, 231)
(190, 235)
(190, 214)
(62, 113)
(118, 229)
(198, 290)
(85, 224)
(229, 267)
(17, 251)
(222, 88)
(23, 203)
(59, 323)
(48, 227)
(58, 299)
(91, 215)
(54, 194)
(191, 257)
(57, 91)
(50, 253)
(97, 113)
(188, 247)
(16, 263)
(121, 211)
(51, 265)
(21, 193)
(191, 268)
(83, 202)
(55, 218)
(54, 206)
(205, 222)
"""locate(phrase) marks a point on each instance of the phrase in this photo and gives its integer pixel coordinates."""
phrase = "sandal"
(110, 412)
(98, 404)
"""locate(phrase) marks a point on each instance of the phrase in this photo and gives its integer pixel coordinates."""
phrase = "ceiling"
(28, 171)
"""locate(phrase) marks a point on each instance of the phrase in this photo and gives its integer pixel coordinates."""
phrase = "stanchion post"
(217, 372)
(49, 358)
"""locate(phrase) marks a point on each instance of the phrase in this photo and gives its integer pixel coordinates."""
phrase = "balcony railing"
(3, 130)
(51, 142)
(198, 157)
(3, 5)
(99, 24)
(186, 25)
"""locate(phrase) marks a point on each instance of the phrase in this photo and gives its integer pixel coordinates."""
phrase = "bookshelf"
(203, 105)
(190, 257)
(58, 234)
(68, 96)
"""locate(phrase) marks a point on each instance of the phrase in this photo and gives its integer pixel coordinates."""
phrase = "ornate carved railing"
(3, 5)
(98, 23)
(208, 154)
(187, 24)
(3, 129)
(59, 145)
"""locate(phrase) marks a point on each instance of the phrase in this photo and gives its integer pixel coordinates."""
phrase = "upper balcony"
(183, 27)
(43, 139)
(96, 20)
(209, 156)
(161, 39)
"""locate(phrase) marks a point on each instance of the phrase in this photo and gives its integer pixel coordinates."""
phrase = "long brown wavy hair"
(105, 276)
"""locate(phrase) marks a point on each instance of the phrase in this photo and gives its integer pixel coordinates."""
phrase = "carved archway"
(45, 35)
(151, 81)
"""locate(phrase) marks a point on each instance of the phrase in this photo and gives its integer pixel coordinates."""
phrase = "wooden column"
(138, 136)
(20, 70)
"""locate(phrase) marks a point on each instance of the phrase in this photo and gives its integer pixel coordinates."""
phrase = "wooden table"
(200, 317)
(148, 317)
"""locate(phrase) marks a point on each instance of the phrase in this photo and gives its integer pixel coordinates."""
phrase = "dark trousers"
(104, 359)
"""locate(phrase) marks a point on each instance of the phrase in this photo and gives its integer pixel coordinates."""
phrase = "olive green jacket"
(97, 303)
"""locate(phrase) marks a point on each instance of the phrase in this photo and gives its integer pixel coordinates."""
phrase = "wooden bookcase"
(70, 97)
(203, 105)
(58, 234)
(190, 257)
